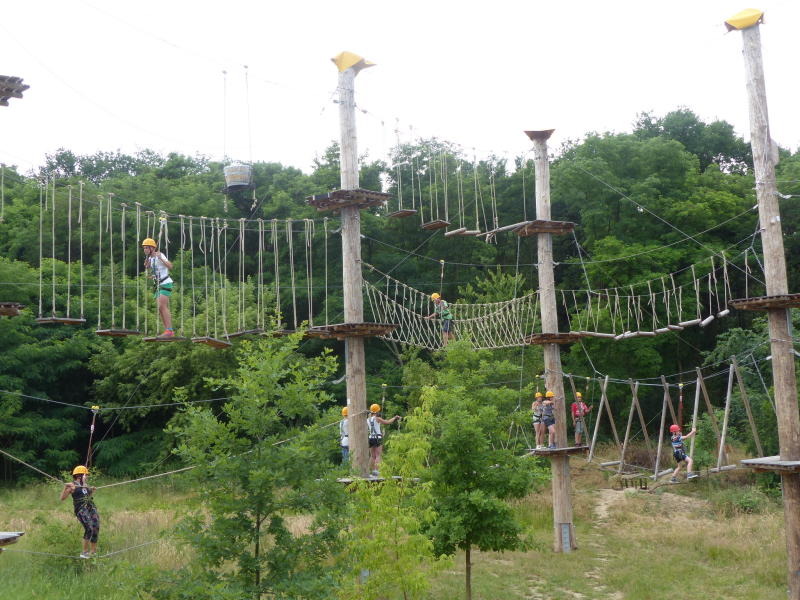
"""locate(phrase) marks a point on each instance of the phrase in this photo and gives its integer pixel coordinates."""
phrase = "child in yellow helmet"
(344, 437)
(538, 424)
(441, 309)
(85, 510)
(549, 418)
(374, 422)
(157, 266)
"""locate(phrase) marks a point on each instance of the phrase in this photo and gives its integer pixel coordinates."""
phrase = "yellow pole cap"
(745, 19)
(346, 60)
(95, 408)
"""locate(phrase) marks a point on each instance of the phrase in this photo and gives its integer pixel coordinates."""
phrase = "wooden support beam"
(668, 400)
(725, 418)
(746, 402)
(642, 422)
(627, 431)
(597, 420)
(660, 435)
(694, 416)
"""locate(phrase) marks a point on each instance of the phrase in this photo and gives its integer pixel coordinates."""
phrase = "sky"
(253, 81)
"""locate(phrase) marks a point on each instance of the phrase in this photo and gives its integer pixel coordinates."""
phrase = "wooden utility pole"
(564, 530)
(765, 155)
(351, 264)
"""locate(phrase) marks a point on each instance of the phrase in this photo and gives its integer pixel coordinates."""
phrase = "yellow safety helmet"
(549, 394)
(537, 395)
(80, 470)
(149, 242)
(344, 411)
(435, 296)
(578, 395)
(375, 408)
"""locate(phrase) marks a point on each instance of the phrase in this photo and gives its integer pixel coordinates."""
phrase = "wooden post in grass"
(765, 155)
(724, 434)
(564, 529)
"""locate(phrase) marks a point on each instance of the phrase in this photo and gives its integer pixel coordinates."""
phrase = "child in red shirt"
(579, 411)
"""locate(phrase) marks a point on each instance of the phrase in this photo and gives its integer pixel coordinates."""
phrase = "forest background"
(696, 176)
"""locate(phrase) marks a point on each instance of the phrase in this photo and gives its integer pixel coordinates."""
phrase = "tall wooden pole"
(351, 274)
(564, 529)
(783, 370)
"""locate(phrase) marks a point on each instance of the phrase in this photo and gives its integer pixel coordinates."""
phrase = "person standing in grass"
(679, 452)
(85, 510)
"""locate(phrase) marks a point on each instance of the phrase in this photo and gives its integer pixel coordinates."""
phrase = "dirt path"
(606, 499)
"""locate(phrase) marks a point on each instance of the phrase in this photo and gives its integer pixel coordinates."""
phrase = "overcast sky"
(122, 75)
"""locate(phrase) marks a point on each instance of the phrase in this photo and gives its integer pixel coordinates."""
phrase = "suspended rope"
(289, 239)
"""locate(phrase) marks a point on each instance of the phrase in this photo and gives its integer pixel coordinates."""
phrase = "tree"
(268, 523)
(472, 477)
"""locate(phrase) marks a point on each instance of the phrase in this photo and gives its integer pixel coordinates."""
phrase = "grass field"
(716, 538)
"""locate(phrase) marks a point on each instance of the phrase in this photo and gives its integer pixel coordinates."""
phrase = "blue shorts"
(548, 421)
(447, 325)
(679, 455)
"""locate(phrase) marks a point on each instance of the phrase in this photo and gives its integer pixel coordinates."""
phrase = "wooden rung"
(236, 334)
(610, 463)
(471, 232)
(158, 338)
(60, 320)
(772, 463)
(690, 323)
(598, 334)
(543, 226)
(402, 213)
(454, 232)
(722, 469)
(213, 342)
(117, 332)
(767, 302)
(437, 224)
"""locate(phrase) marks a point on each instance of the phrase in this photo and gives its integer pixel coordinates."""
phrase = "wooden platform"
(210, 341)
(437, 224)
(341, 331)
(539, 339)
(371, 479)
(174, 338)
(766, 302)
(117, 332)
(402, 213)
(539, 226)
(60, 321)
(10, 309)
(557, 451)
(281, 332)
(339, 199)
(772, 463)
(10, 537)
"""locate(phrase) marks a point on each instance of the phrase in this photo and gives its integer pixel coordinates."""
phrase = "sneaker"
(375, 474)
(692, 475)
(168, 333)
(85, 555)
(674, 480)
(552, 447)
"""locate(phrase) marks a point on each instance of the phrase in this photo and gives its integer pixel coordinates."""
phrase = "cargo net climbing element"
(492, 325)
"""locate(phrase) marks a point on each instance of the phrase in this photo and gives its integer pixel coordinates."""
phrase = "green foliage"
(268, 523)
(387, 549)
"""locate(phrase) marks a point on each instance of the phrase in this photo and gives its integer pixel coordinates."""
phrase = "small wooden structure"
(60, 320)
(402, 213)
(767, 302)
(117, 332)
(436, 224)
(539, 339)
(339, 199)
(211, 341)
(10, 309)
(10, 537)
(341, 331)
(538, 226)
(237, 334)
(772, 463)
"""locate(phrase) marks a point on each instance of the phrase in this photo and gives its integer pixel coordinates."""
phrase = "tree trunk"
(468, 571)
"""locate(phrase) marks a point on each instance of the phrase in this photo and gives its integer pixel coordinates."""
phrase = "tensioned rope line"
(106, 555)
